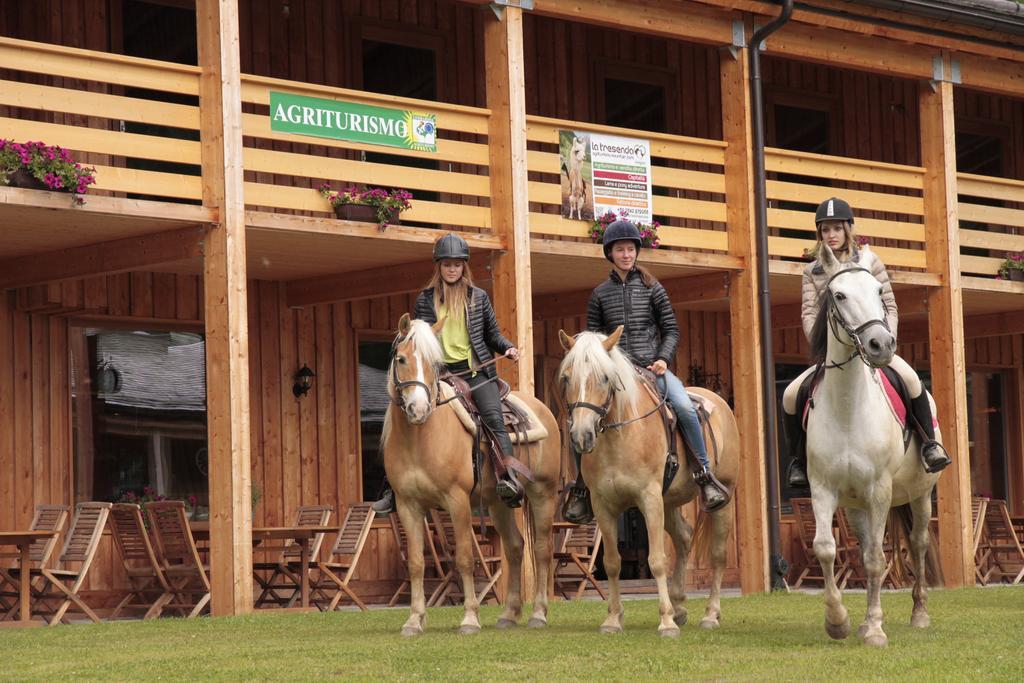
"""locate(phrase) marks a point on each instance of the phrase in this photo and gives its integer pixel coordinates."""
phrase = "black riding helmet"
(451, 246)
(620, 230)
(834, 209)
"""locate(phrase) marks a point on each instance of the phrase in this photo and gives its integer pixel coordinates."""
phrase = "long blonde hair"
(844, 254)
(454, 297)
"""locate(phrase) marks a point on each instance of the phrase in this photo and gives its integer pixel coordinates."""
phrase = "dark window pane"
(630, 104)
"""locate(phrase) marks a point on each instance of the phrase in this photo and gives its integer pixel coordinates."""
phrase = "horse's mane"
(819, 333)
(427, 347)
(588, 357)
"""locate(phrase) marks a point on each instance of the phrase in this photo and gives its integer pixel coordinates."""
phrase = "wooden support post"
(512, 284)
(744, 321)
(946, 327)
(225, 298)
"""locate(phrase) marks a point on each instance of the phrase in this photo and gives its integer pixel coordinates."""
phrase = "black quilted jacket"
(650, 330)
(484, 335)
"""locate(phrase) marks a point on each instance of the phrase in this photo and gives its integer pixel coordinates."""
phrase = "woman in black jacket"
(633, 298)
(468, 338)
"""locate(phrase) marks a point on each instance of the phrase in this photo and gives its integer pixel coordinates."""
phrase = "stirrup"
(577, 508)
(937, 464)
(510, 492)
(706, 479)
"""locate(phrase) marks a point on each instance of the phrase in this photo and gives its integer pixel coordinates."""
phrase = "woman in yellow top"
(468, 338)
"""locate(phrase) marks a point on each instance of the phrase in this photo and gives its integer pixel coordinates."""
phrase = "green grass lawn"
(976, 634)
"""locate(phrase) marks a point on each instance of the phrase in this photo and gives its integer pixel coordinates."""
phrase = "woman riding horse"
(631, 296)
(834, 220)
(469, 336)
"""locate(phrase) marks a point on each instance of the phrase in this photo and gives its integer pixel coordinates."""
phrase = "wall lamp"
(303, 381)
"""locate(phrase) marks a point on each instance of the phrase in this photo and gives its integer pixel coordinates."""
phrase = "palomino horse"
(855, 449)
(625, 465)
(428, 456)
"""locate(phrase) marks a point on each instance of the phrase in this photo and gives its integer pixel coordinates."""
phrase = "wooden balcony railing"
(135, 120)
(283, 171)
(890, 195)
(991, 221)
(686, 176)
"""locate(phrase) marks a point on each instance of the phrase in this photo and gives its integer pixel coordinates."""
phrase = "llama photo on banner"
(602, 173)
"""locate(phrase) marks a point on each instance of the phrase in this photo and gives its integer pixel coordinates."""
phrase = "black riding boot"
(577, 508)
(796, 475)
(933, 455)
(386, 505)
(508, 488)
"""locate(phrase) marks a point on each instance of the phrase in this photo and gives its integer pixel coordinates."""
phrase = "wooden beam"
(104, 258)
(975, 327)
(652, 17)
(681, 291)
(946, 328)
(744, 322)
(401, 278)
(505, 85)
(992, 75)
(225, 298)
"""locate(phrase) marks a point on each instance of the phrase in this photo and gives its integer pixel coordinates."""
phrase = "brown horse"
(625, 464)
(428, 456)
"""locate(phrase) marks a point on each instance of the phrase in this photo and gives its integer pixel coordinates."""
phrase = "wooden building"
(206, 221)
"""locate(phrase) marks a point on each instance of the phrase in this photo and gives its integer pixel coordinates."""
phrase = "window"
(139, 414)
(373, 402)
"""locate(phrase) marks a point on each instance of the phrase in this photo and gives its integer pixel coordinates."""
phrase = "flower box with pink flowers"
(371, 205)
(38, 166)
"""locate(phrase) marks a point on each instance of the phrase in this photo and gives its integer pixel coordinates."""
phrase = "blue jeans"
(686, 414)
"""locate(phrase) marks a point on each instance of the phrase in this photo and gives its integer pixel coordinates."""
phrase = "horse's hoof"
(410, 631)
(504, 624)
(920, 620)
(469, 630)
(681, 618)
(877, 640)
(838, 631)
(610, 629)
(862, 630)
(668, 632)
(709, 624)
(537, 622)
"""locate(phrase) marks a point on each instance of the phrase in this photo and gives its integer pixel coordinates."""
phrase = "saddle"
(523, 426)
(668, 417)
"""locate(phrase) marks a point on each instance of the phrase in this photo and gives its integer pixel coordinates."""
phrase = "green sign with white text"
(354, 122)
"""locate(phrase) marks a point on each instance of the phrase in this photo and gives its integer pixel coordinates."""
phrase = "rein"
(401, 386)
(835, 317)
(602, 411)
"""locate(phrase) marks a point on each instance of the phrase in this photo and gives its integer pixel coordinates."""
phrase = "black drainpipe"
(777, 565)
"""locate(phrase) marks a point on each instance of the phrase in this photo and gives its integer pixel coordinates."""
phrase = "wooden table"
(302, 535)
(23, 540)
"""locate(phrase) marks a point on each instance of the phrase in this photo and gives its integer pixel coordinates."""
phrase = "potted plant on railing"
(372, 205)
(1012, 268)
(35, 165)
(648, 231)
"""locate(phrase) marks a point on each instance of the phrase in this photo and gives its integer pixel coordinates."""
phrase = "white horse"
(855, 449)
(577, 184)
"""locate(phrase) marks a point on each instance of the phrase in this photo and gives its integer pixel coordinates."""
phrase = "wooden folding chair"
(803, 513)
(186, 574)
(336, 573)
(486, 568)
(432, 571)
(147, 586)
(850, 566)
(46, 518)
(982, 553)
(575, 560)
(58, 589)
(1005, 552)
(282, 576)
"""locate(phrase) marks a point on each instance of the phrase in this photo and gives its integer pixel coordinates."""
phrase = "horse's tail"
(932, 567)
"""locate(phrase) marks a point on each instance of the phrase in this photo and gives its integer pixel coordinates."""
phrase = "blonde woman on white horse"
(834, 221)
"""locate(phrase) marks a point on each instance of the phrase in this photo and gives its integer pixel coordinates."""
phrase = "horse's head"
(852, 302)
(415, 361)
(579, 148)
(596, 379)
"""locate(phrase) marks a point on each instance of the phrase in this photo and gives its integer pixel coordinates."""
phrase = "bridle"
(602, 411)
(401, 386)
(835, 317)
